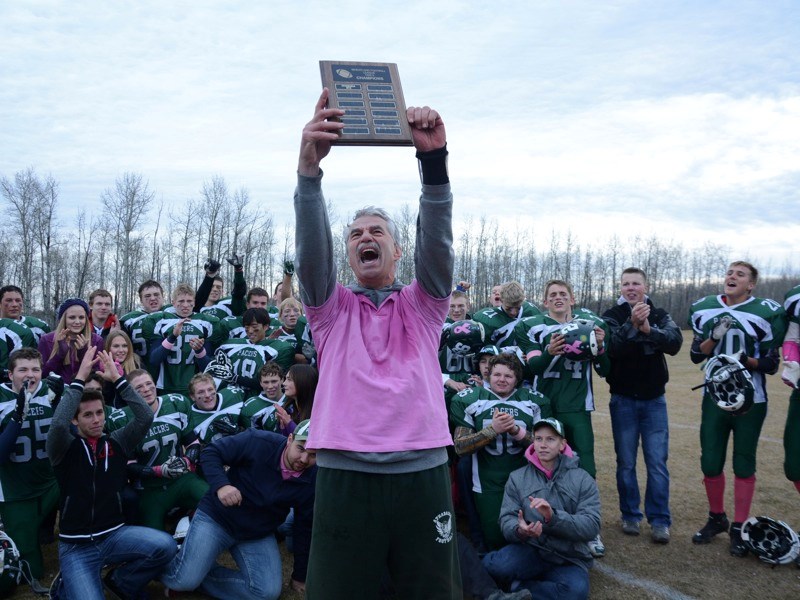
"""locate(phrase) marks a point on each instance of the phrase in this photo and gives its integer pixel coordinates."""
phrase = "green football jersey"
(37, 326)
(27, 473)
(499, 327)
(791, 304)
(566, 382)
(220, 310)
(259, 412)
(13, 336)
(232, 327)
(229, 407)
(132, 324)
(473, 408)
(300, 338)
(165, 437)
(758, 326)
(173, 375)
(248, 358)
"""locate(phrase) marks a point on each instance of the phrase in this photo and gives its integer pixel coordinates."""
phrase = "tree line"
(134, 238)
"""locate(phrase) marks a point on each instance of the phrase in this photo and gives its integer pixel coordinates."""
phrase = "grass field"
(635, 568)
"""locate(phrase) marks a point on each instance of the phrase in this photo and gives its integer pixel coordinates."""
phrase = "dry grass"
(694, 571)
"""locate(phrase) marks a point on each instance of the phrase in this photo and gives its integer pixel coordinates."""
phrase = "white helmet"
(772, 541)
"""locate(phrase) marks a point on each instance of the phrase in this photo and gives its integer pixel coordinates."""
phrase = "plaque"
(372, 98)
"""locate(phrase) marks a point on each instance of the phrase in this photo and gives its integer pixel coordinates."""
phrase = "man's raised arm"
(433, 259)
(313, 239)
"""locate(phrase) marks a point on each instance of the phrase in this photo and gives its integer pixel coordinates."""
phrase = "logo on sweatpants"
(444, 526)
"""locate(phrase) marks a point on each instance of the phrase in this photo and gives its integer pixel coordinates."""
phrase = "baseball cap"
(555, 424)
(300, 433)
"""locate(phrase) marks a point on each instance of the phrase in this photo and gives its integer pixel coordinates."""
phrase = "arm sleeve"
(224, 451)
(8, 439)
(434, 257)
(582, 525)
(201, 296)
(134, 431)
(59, 436)
(313, 242)
(55, 363)
(238, 294)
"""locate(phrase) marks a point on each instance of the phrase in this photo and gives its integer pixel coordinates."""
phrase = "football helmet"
(465, 337)
(772, 541)
(9, 559)
(729, 384)
(580, 340)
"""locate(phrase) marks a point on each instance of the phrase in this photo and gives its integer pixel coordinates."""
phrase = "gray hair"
(374, 211)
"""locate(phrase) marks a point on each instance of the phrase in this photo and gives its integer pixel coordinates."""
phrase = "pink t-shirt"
(380, 389)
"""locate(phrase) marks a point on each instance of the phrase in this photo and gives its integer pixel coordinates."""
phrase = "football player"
(214, 414)
(791, 377)
(260, 411)
(162, 466)
(11, 305)
(180, 343)
(499, 321)
(734, 323)
(28, 489)
(151, 297)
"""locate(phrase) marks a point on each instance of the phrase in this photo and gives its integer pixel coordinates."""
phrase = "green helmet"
(580, 340)
(729, 384)
(465, 337)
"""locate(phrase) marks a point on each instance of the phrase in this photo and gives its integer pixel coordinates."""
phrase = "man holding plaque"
(383, 490)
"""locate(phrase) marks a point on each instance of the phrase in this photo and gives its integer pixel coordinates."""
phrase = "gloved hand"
(23, 403)
(236, 262)
(212, 267)
(288, 267)
(224, 425)
(791, 374)
(172, 468)
(721, 328)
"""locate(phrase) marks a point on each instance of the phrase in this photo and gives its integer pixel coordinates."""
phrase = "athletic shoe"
(717, 523)
(56, 587)
(660, 534)
(596, 547)
(38, 588)
(738, 547)
(518, 595)
(630, 527)
(181, 529)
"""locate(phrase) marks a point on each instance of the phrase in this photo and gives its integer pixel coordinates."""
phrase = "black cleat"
(717, 523)
(738, 547)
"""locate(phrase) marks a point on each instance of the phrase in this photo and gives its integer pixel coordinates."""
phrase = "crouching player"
(267, 474)
(90, 466)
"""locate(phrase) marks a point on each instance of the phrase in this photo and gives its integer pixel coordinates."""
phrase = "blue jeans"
(522, 562)
(631, 419)
(142, 553)
(195, 566)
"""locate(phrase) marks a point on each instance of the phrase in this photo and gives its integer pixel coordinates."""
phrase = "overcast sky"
(617, 117)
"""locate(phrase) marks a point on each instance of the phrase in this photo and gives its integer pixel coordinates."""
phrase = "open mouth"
(368, 254)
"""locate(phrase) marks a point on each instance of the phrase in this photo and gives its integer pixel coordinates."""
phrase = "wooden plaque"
(372, 98)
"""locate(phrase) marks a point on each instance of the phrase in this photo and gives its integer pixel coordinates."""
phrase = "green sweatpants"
(22, 519)
(156, 502)
(368, 524)
(488, 505)
(580, 436)
(715, 429)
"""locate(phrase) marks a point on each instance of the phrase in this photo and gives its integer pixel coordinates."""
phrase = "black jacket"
(91, 480)
(638, 366)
